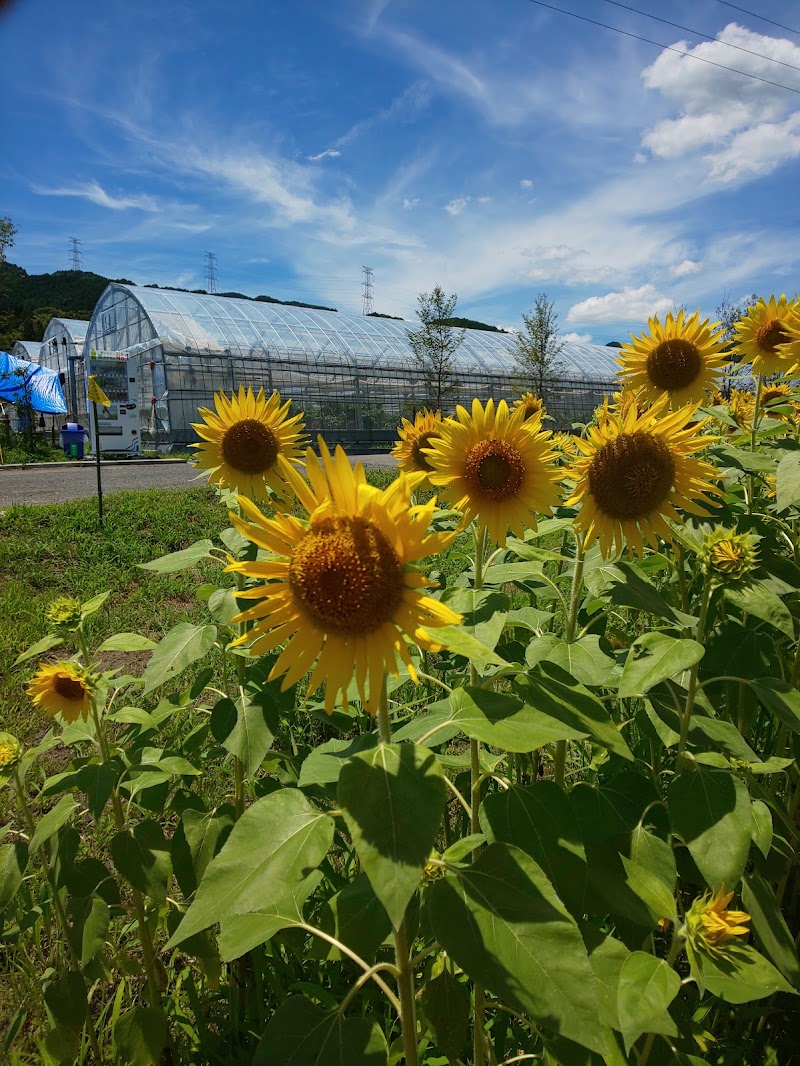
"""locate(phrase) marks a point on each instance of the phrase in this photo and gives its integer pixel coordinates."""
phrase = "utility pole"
(75, 254)
(367, 303)
(211, 272)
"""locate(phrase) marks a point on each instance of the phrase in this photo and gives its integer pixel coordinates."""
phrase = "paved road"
(58, 482)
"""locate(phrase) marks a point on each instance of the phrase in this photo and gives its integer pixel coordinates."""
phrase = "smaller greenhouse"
(353, 376)
(62, 351)
(27, 350)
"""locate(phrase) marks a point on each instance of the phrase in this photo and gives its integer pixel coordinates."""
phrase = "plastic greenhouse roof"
(189, 322)
(29, 348)
(75, 328)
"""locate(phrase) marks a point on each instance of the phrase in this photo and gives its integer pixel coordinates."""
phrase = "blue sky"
(492, 146)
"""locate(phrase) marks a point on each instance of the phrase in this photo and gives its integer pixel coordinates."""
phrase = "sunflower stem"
(148, 952)
(58, 906)
(691, 693)
(405, 973)
(571, 622)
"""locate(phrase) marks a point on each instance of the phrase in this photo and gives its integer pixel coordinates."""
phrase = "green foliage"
(574, 841)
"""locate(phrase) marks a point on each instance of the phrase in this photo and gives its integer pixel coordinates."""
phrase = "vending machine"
(117, 375)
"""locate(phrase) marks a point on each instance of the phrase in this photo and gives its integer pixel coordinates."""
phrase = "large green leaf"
(143, 858)
(739, 975)
(507, 722)
(710, 809)
(788, 481)
(539, 819)
(438, 715)
(647, 986)
(455, 639)
(302, 1034)
(705, 733)
(94, 929)
(445, 1004)
(127, 642)
(240, 933)
(656, 657)
(169, 564)
(586, 661)
(484, 612)
(769, 925)
(140, 1035)
(779, 698)
(554, 692)
(625, 585)
(356, 917)
(392, 798)
(755, 598)
(504, 925)
(196, 841)
(323, 766)
(182, 646)
(275, 844)
(52, 640)
(13, 861)
(254, 721)
(607, 956)
(49, 824)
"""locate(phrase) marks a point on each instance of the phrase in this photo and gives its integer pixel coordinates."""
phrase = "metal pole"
(97, 460)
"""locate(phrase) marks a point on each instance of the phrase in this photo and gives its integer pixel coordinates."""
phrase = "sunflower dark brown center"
(250, 447)
(69, 688)
(771, 335)
(632, 475)
(674, 364)
(494, 470)
(421, 461)
(346, 576)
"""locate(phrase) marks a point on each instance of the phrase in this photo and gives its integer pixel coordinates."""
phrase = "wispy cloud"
(329, 153)
(96, 194)
(455, 207)
(526, 183)
(410, 204)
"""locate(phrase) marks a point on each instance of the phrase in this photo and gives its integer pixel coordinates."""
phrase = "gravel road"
(58, 482)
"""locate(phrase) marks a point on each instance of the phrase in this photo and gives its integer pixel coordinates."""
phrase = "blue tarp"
(21, 380)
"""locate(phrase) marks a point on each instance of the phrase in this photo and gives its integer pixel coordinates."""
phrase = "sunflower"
(63, 688)
(532, 405)
(727, 555)
(710, 924)
(767, 337)
(635, 472)
(497, 467)
(341, 586)
(742, 406)
(777, 395)
(243, 439)
(414, 436)
(680, 358)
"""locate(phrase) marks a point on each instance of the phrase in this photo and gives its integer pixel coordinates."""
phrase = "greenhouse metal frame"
(353, 376)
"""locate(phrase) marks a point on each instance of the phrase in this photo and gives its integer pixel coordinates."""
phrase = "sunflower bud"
(729, 556)
(64, 613)
(11, 751)
(433, 869)
(710, 924)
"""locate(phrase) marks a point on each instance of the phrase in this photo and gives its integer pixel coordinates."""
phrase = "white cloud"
(684, 269)
(577, 338)
(630, 305)
(409, 205)
(526, 183)
(96, 194)
(484, 199)
(329, 153)
(751, 127)
(455, 207)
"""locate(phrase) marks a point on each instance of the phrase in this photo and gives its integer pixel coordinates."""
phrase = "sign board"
(118, 376)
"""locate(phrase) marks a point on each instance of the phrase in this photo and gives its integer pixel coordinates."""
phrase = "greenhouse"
(28, 350)
(62, 351)
(354, 376)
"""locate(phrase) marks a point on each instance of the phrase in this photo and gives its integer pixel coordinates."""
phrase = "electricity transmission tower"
(367, 303)
(211, 272)
(75, 254)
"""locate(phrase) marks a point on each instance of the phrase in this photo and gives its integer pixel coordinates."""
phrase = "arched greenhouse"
(354, 376)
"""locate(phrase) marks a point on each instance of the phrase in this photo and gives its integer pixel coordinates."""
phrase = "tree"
(8, 232)
(537, 347)
(435, 343)
(729, 314)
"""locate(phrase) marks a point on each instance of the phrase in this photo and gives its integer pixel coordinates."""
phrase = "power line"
(697, 33)
(763, 18)
(666, 47)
